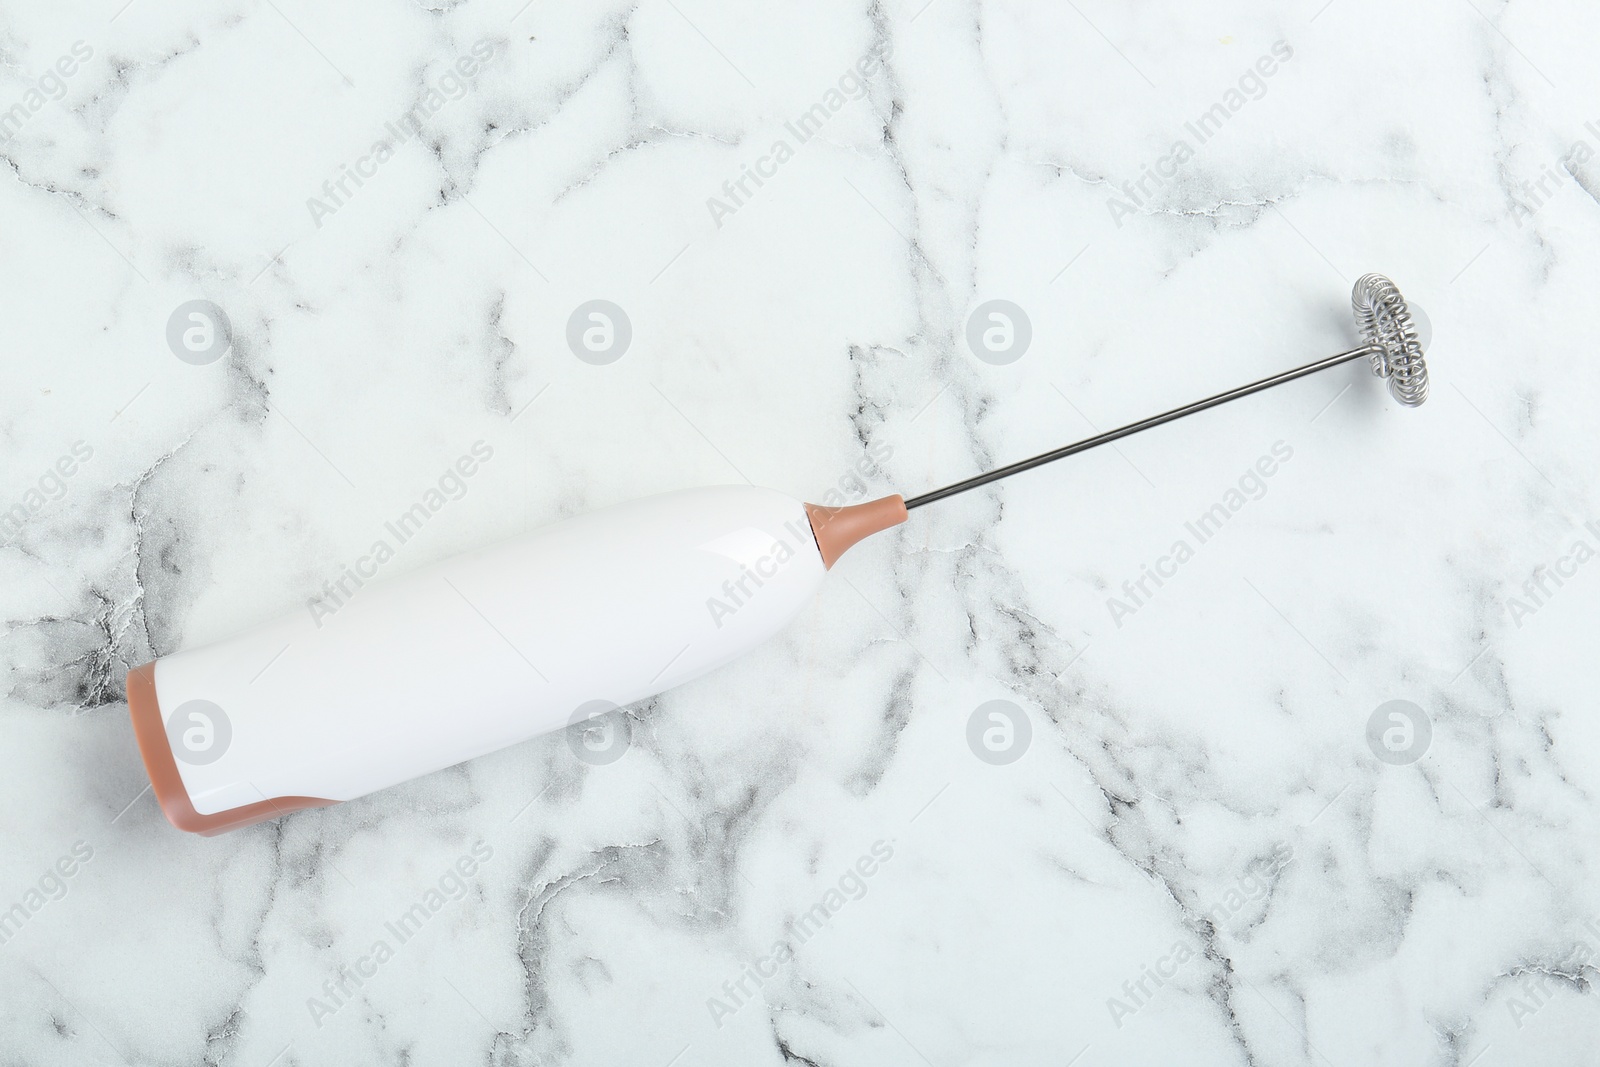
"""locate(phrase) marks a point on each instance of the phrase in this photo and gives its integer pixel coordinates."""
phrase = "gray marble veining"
(1194, 832)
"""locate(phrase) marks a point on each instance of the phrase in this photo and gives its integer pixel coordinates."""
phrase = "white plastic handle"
(473, 654)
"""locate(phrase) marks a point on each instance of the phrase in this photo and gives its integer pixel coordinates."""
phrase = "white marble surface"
(1198, 798)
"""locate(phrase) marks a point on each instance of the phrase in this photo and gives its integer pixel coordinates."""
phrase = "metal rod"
(1134, 427)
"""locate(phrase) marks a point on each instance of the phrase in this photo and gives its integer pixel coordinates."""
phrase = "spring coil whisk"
(1386, 326)
(1390, 341)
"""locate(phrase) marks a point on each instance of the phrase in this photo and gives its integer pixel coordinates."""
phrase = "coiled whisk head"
(1388, 330)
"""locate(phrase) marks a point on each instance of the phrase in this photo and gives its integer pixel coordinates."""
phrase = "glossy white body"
(487, 649)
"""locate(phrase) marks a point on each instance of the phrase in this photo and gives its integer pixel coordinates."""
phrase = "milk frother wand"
(486, 649)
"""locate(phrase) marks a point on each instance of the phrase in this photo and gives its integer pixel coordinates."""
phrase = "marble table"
(1030, 783)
